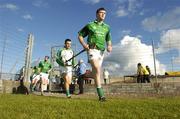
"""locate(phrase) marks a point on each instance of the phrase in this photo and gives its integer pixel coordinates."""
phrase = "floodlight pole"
(2, 58)
(154, 59)
(29, 48)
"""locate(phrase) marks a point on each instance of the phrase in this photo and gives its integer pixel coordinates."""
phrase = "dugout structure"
(56, 81)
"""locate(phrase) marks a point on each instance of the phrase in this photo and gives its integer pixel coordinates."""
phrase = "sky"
(134, 25)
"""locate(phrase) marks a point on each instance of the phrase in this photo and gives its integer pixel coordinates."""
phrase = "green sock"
(33, 87)
(67, 92)
(100, 92)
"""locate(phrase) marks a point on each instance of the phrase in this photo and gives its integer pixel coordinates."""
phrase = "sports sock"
(33, 87)
(67, 93)
(100, 92)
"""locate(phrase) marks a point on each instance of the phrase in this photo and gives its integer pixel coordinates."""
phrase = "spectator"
(140, 73)
(88, 77)
(147, 74)
(81, 72)
(106, 76)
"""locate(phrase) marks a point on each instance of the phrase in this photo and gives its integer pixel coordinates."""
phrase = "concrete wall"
(8, 86)
(137, 88)
(153, 80)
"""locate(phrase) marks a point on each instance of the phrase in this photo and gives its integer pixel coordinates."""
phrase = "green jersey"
(63, 55)
(35, 70)
(98, 34)
(44, 66)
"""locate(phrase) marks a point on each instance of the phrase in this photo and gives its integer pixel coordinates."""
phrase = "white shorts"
(44, 87)
(94, 54)
(66, 70)
(35, 78)
(44, 78)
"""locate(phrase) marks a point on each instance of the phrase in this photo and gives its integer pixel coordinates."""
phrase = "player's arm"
(81, 34)
(50, 68)
(40, 66)
(109, 46)
(81, 40)
(108, 41)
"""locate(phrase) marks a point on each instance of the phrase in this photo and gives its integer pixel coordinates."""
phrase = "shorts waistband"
(93, 46)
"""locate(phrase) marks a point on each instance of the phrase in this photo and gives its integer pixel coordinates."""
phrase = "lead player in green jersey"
(98, 35)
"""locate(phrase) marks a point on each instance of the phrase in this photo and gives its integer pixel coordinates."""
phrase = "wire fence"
(122, 61)
(12, 51)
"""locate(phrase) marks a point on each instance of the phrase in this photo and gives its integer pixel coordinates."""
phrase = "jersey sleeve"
(108, 36)
(59, 58)
(84, 31)
(74, 60)
(40, 66)
(50, 66)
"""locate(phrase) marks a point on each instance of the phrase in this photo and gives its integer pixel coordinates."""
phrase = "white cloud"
(134, 5)
(127, 7)
(168, 20)
(127, 53)
(169, 40)
(121, 12)
(139, 36)
(141, 13)
(20, 29)
(9, 6)
(144, 12)
(27, 17)
(120, 1)
(91, 1)
(169, 48)
(126, 32)
(40, 3)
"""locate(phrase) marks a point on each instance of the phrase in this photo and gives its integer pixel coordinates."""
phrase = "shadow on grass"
(21, 89)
